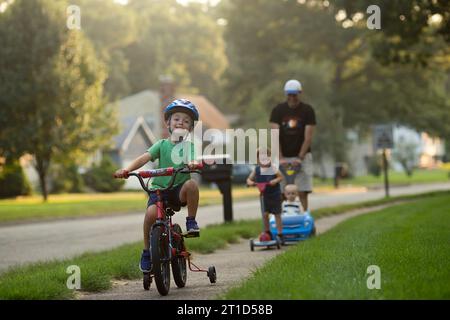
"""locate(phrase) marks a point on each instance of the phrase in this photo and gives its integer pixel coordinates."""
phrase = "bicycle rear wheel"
(160, 259)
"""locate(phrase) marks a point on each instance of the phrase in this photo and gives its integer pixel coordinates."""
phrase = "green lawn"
(395, 178)
(409, 242)
(48, 280)
(81, 205)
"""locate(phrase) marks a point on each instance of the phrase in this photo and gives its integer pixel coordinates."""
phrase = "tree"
(265, 36)
(51, 88)
(406, 154)
(182, 41)
(111, 27)
(405, 26)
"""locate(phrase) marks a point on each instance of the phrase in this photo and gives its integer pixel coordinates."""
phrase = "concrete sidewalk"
(27, 243)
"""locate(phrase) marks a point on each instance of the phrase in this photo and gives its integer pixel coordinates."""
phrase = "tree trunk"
(42, 168)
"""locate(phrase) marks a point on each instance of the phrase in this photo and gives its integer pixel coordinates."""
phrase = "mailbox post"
(219, 172)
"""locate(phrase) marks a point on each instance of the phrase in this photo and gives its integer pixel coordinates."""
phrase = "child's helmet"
(181, 105)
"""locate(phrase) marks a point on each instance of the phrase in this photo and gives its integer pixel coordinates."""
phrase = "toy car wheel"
(314, 232)
(252, 245)
(147, 281)
(212, 274)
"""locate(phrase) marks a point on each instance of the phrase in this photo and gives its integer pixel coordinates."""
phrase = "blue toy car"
(295, 227)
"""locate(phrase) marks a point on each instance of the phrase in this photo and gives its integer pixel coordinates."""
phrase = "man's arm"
(309, 132)
(274, 125)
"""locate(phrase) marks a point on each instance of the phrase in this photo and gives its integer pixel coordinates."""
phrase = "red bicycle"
(167, 239)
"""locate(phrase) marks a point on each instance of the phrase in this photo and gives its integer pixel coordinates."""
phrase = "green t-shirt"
(169, 154)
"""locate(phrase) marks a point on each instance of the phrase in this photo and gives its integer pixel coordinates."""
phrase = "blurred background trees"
(238, 54)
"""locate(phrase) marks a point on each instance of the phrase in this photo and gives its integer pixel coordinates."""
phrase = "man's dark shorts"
(272, 204)
(171, 196)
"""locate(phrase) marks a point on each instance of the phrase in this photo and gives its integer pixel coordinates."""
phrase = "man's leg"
(304, 181)
(303, 199)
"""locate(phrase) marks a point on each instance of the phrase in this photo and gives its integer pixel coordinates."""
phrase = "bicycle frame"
(164, 219)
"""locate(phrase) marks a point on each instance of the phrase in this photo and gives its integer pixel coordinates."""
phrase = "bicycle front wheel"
(179, 269)
(160, 259)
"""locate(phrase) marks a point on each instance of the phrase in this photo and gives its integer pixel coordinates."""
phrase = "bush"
(13, 181)
(100, 177)
(65, 178)
(374, 165)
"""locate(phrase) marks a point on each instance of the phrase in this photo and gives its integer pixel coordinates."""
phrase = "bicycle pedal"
(191, 234)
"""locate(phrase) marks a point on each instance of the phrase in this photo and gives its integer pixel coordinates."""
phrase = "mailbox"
(216, 170)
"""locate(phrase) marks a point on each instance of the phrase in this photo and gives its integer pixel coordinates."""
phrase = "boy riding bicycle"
(180, 116)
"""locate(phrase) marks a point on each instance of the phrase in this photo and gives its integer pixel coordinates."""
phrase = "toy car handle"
(290, 163)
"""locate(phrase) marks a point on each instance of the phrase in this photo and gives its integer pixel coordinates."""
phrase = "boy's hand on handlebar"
(194, 165)
(121, 173)
(250, 183)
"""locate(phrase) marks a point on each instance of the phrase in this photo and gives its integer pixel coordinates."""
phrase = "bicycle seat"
(171, 206)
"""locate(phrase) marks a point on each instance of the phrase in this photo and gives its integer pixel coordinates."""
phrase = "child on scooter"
(266, 172)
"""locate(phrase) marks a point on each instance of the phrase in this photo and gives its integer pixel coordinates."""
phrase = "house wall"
(138, 145)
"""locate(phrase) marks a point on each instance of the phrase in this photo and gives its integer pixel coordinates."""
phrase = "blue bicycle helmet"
(181, 105)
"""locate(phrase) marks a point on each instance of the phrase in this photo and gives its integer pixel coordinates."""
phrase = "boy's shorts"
(171, 197)
(272, 205)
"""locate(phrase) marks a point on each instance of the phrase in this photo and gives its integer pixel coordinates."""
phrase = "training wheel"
(212, 274)
(147, 281)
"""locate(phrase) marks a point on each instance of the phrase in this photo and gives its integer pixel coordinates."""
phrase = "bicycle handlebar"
(171, 171)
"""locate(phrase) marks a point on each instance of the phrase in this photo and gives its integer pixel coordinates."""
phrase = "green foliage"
(13, 181)
(52, 103)
(100, 178)
(374, 165)
(288, 39)
(184, 42)
(66, 179)
(408, 34)
(111, 27)
(405, 152)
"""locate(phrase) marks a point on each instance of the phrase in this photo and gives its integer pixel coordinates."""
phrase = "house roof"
(209, 114)
(143, 109)
(130, 126)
